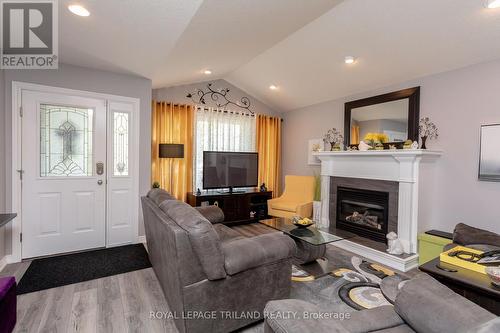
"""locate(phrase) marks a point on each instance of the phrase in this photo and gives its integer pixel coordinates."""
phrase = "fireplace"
(363, 212)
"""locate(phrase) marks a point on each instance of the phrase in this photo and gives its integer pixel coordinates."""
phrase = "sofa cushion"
(381, 318)
(428, 306)
(492, 326)
(465, 235)
(226, 234)
(159, 195)
(284, 205)
(202, 235)
(247, 253)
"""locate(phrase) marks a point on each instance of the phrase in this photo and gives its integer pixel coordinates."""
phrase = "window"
(65, 141)
(220, 130)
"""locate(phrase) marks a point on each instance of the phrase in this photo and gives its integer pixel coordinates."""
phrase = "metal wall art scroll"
(219, 97)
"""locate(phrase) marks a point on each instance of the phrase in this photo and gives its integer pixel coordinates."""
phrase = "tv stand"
(235, 205)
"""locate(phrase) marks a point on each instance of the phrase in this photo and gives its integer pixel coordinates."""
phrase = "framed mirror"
(489, 158)
(395, 114)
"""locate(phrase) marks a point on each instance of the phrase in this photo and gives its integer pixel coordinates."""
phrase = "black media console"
(236, 205)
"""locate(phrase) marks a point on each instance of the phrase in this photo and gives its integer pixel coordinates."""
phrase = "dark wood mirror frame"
(413, 95)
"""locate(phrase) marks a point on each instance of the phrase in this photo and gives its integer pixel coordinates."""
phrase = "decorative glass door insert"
(66, 135)
(120, 143)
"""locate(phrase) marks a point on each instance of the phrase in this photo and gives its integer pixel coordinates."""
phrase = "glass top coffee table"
(311, 244)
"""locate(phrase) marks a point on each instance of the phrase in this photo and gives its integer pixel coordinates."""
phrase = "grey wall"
(79, 78)
(458, 102)
(177, 94)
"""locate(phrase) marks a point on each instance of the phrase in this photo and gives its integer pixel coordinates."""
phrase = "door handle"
(99, 182)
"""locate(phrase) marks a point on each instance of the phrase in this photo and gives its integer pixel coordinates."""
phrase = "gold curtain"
(354, 135)
(269, 149)
(172, 123)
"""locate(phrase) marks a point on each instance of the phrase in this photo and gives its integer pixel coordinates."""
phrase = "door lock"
(99, 182)
(99, 168)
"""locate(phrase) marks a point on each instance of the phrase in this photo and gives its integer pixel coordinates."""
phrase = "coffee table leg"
(311, 258)
(307, 253)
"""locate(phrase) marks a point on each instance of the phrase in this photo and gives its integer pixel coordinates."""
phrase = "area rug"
(356, 285)
(62, 270)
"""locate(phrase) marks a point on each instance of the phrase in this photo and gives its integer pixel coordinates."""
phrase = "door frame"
(16, 145)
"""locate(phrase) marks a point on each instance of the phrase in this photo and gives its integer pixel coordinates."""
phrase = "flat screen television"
(222, 169)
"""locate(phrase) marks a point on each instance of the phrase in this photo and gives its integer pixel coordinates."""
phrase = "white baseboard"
(386, 259)
(141, 239)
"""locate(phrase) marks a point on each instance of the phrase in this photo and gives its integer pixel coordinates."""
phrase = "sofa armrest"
(245, 253)
(212, 213)
(297, 316)
(373, 320)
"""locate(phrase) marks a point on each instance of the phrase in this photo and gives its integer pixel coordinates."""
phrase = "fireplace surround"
(398, 169)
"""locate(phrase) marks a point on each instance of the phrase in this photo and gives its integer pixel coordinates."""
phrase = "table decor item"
(363, 146)
(427, 130)
(302, 222)
(375, 138)
(407, 144)
(333, 138)
(494, 275)
(379, 146)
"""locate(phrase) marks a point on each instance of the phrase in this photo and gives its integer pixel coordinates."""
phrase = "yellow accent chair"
(297, 199)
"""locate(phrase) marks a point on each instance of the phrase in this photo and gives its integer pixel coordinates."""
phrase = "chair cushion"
(428, 306)
(284, 205)
(202, 235)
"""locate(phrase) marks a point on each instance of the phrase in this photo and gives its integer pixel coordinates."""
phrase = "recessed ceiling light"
(349, 60)
(207, 72)
(273, 87)
(78, 10)
(493, 4)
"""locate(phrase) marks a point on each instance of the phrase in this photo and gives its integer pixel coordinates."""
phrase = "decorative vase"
(424, 139)
(316, 212)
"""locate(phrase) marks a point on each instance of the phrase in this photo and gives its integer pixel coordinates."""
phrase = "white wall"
(79, 78)
(177, 94)
(458, 102)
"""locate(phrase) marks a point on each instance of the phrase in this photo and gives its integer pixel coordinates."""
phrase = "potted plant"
(427, 130)
(317, 199)
(334, 139)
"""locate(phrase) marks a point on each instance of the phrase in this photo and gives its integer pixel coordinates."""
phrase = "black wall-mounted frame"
(413, 95)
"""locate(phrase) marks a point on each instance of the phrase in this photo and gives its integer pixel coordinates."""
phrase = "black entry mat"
(78, 267)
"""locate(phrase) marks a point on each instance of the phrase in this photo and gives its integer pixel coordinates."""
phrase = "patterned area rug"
(359, 285)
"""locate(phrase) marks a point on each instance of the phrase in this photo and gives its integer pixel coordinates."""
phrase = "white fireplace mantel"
(401, 166)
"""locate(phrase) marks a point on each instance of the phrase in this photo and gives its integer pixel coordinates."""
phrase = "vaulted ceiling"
(298, 45)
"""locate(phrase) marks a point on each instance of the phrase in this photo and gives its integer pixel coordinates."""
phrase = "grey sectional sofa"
(214, 279)
(423, 305)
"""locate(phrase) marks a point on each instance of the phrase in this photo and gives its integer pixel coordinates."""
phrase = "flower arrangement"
(334, 138)
(427, 130)
(373, 138)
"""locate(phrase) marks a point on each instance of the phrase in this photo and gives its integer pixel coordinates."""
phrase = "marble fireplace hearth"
(393, 173)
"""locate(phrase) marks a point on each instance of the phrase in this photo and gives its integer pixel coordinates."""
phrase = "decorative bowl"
(494, 274)
(296, 221)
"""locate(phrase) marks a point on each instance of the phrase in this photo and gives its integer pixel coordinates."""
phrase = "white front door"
(64, 173)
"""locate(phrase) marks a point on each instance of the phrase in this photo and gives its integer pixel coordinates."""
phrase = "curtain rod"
(205, 108)
(223, 111)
